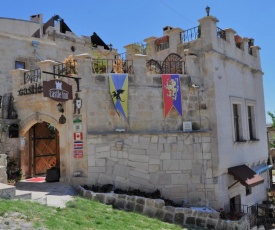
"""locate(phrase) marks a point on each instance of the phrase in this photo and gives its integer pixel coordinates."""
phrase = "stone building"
(204, 157)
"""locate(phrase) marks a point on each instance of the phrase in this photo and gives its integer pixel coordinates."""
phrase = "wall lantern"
(60, 107)
(207, 9)
(62, 119)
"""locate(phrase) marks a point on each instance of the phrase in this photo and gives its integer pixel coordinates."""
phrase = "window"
(248, 191)
(237, 122)
(251, 122)
(19, 65)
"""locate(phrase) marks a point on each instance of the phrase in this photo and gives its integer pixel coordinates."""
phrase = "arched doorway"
(43, 148)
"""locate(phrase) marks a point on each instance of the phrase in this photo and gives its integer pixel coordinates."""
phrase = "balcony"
(103, 66)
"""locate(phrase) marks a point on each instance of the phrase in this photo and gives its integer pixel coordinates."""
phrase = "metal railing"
(122, 56)
(103, 66)
(32, 76)
(253, 215)
(162, 46)
(221, 33)
(164, 67)
(191, 34)
(65, 69)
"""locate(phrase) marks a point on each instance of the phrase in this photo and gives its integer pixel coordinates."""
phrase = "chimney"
(166, 29)
(34, 18)
(39, 19)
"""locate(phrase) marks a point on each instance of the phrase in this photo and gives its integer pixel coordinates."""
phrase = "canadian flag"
(78, 136)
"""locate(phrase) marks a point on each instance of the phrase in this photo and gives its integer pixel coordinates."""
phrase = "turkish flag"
(78, 136)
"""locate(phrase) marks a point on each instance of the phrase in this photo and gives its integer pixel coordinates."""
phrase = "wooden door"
(45, 148)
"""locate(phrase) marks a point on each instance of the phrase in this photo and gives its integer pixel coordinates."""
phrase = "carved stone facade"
(153, 152)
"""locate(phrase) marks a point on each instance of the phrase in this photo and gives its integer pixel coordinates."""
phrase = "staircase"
(10, 192)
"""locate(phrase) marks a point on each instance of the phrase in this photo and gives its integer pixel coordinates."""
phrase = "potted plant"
(70, 66)
(13, 172)
(11, 182)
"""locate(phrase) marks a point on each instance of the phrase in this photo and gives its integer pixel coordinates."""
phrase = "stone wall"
(3, 165)
(177, 164)
(156, 208)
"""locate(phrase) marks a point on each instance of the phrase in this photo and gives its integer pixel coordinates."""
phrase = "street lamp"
(207, 9)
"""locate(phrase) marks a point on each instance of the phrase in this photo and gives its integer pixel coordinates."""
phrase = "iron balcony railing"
(32, 76)
(162, 46)
(191, 34)
(221, 33)
(195, 33)
(165, 67)
(122, 56)
(65, 69)
(103, 66)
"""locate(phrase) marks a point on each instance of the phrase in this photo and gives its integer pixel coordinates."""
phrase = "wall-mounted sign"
(32, 89)
(78, 145)
(57, 90)
(78, 136)
(78, 154)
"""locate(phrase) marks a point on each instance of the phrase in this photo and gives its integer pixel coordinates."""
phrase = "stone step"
(7, 191)
(22, 195)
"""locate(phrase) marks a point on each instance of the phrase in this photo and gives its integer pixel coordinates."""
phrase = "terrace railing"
(103, 66)
(191, 34)
(32, 76)
(164, 67)
(65, 69)
(221, 33)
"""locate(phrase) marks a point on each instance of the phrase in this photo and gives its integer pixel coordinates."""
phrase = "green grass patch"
(80, 214)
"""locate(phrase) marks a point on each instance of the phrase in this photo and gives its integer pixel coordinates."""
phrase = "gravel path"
(16, 221)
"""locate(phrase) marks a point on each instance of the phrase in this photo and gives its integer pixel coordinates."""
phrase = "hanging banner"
(171, 93)
(119, 92)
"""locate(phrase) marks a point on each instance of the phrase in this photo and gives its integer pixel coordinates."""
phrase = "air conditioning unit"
(187, 126)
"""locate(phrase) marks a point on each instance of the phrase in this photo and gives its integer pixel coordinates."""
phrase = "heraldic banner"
(119, 92)
(171, 93)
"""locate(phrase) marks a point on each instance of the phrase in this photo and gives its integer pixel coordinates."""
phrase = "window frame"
(239, 134)
(251, 120)
(20, 63)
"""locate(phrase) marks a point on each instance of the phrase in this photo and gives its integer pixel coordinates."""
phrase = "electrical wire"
(176, 11)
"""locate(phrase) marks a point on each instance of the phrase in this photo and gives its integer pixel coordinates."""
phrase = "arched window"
(153, 67)
(172, 64)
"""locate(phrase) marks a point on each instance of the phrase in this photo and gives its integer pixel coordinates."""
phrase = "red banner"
(171, 93)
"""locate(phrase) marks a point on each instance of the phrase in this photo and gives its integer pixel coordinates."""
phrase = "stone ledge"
(155, 208)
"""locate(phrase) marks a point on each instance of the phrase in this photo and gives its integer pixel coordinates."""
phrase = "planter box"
(52, 175)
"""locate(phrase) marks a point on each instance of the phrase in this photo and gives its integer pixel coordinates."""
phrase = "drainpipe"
(35, 43)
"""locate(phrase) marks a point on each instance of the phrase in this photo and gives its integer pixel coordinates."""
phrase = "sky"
(122, 22)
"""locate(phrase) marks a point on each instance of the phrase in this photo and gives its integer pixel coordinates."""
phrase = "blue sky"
(122, 22)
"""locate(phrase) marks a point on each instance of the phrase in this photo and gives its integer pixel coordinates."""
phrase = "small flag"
(78, 145)
(78, 154)
(78, 136)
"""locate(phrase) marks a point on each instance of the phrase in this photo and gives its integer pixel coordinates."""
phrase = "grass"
(81, 214)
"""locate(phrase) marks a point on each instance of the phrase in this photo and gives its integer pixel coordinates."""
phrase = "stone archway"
(39, 150)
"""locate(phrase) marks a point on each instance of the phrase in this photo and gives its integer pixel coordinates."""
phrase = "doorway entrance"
(235, 204)
(44, 148)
